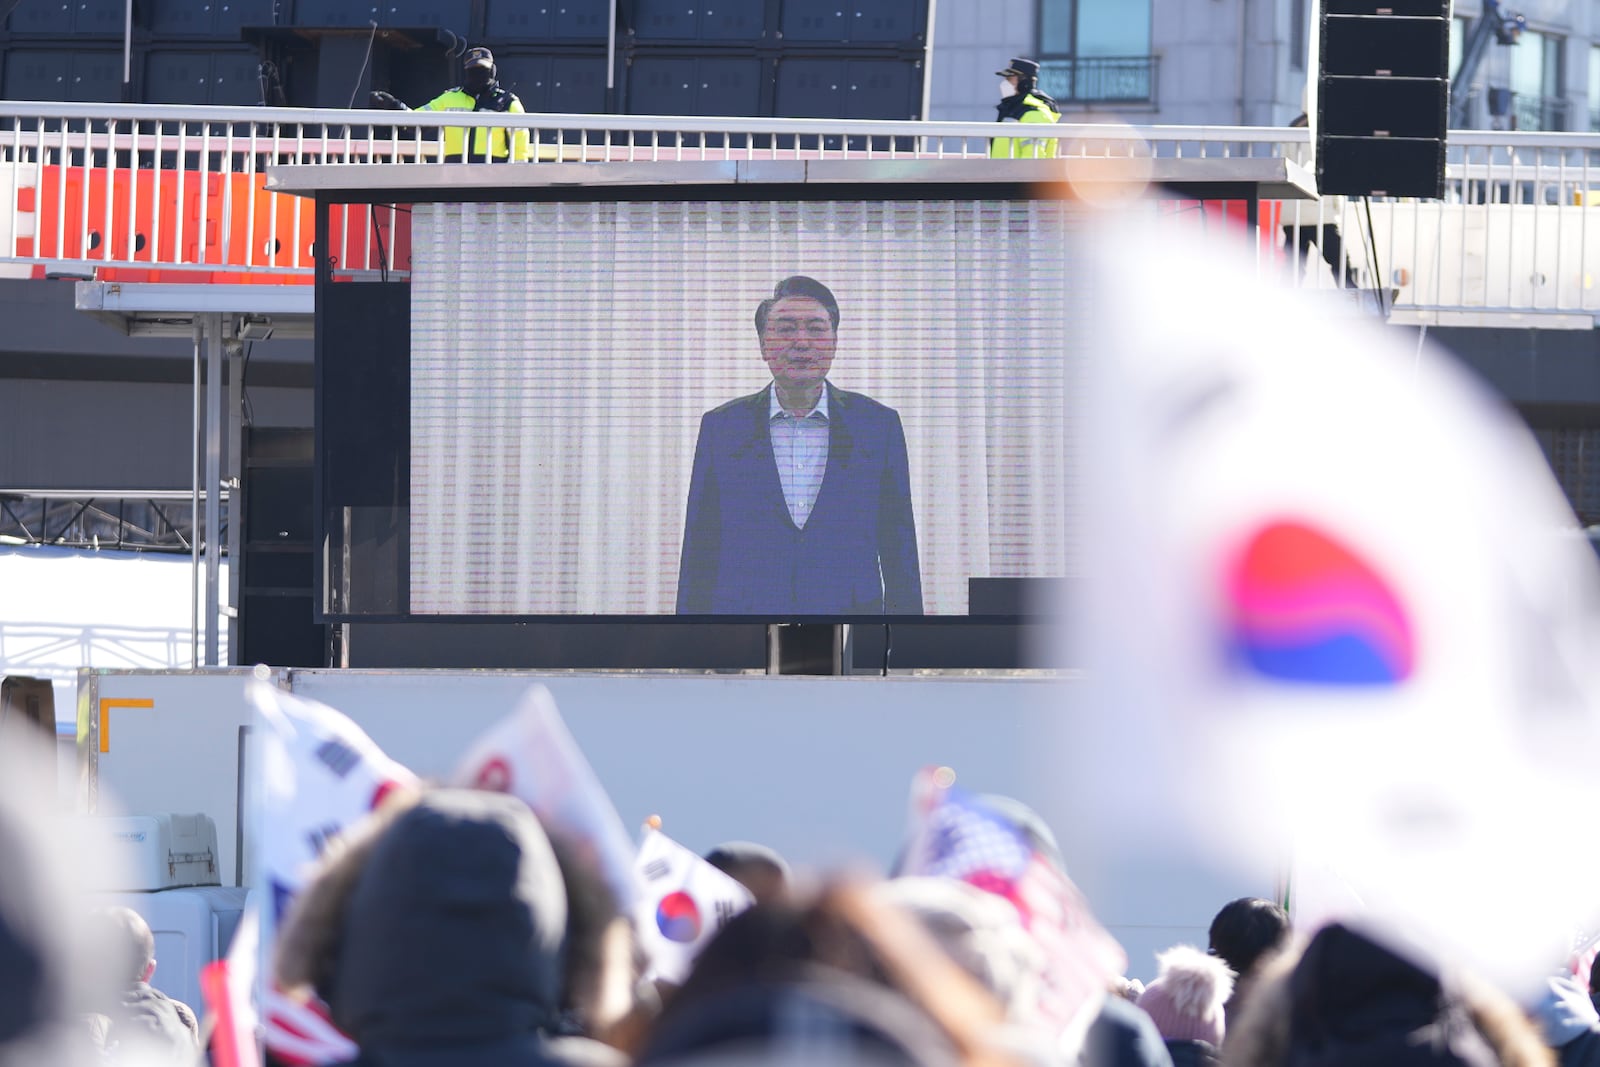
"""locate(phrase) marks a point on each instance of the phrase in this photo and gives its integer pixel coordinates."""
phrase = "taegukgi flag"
(319, 775)
(531, 755)
(1334, 607)
(299, 1032)
(685, 901)
(228, 986)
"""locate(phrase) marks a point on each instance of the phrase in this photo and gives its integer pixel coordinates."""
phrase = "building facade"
(1242, 62)
(1212, 62)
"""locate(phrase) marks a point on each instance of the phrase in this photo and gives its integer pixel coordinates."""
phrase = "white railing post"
(1451, 260)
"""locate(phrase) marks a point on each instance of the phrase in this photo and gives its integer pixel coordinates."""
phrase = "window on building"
(1594, 87)
(1299, 16)
(1096, 51)
(1536, 80)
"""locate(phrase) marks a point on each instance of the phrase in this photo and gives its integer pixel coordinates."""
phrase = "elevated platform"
(1230, 178)
(175, 309)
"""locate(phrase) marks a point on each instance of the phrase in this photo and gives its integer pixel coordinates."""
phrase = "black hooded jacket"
(1027, 98)
(1123, 1036)
(449, 949)
(1193, 1054)
(1355, 1002)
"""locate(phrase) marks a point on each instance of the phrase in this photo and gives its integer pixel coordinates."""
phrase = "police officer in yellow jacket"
(479, 91)
(1021, 100)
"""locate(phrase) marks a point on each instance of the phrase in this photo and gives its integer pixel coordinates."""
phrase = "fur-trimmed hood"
(439, 927)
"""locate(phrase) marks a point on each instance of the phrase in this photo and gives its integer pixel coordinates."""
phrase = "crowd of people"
(451, 928)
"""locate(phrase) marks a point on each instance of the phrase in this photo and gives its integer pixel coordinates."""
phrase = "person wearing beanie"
(1185, 1002)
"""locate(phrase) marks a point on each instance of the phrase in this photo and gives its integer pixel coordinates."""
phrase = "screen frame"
(892, 188)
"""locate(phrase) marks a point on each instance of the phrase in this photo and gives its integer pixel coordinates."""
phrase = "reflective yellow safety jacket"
(496, 99)
(1033, 110)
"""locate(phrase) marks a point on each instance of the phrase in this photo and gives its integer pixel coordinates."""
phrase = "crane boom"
(1505, 27)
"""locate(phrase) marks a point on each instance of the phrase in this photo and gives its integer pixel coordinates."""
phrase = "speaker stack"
(1383, 95)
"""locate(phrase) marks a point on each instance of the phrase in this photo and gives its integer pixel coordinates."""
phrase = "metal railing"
(1516, 238)
(1546, 113)
(1100, 79)
(97, 189)
(137, 191)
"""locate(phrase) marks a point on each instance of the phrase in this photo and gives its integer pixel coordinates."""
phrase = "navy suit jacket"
(743, 554)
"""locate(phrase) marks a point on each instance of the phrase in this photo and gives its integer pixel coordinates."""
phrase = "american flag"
(965, 840)
(956, 835)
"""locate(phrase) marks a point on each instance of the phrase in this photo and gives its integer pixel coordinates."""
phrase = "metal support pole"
(927, 61)
(194, 503)
(235, 478)
(127, 66)
(1252, 218)
(213, 483)
(611, 59)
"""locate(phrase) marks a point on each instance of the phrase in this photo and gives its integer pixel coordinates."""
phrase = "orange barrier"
(218, 221)
(1234, 214)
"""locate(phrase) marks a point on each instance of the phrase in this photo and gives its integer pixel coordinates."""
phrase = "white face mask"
(1007, 90)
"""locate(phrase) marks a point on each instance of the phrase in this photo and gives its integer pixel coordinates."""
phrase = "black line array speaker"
(1383, 97)
(277, 584)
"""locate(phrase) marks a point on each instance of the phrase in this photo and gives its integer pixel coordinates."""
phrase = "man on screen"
(800, 498)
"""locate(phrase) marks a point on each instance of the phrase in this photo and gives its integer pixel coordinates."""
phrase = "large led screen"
(806, 410)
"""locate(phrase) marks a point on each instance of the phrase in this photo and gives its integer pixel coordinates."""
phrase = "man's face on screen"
(798, 341)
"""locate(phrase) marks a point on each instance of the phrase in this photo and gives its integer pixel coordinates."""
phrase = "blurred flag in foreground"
(684, 903)
(957, 835)
(300, 1032)
(227, 985)
(530, 755)
(320, 774)
(1334, 606)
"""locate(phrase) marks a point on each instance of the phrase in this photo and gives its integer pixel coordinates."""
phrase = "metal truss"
(132, 520)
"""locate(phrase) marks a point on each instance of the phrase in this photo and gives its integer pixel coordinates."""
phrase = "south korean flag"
(684, 903)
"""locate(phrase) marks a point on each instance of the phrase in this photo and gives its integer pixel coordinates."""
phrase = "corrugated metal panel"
(207, 18)
(109, 435)
(557, 83)
(545, 20)
(449, 14)
(692, 85)
(84, 18)
(834, 87)
(62, 74)
(173, 76)
(856, 22)
(61, 434)
(720, 20)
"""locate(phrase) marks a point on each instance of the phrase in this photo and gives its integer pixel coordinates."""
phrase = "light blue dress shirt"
(800, 447)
